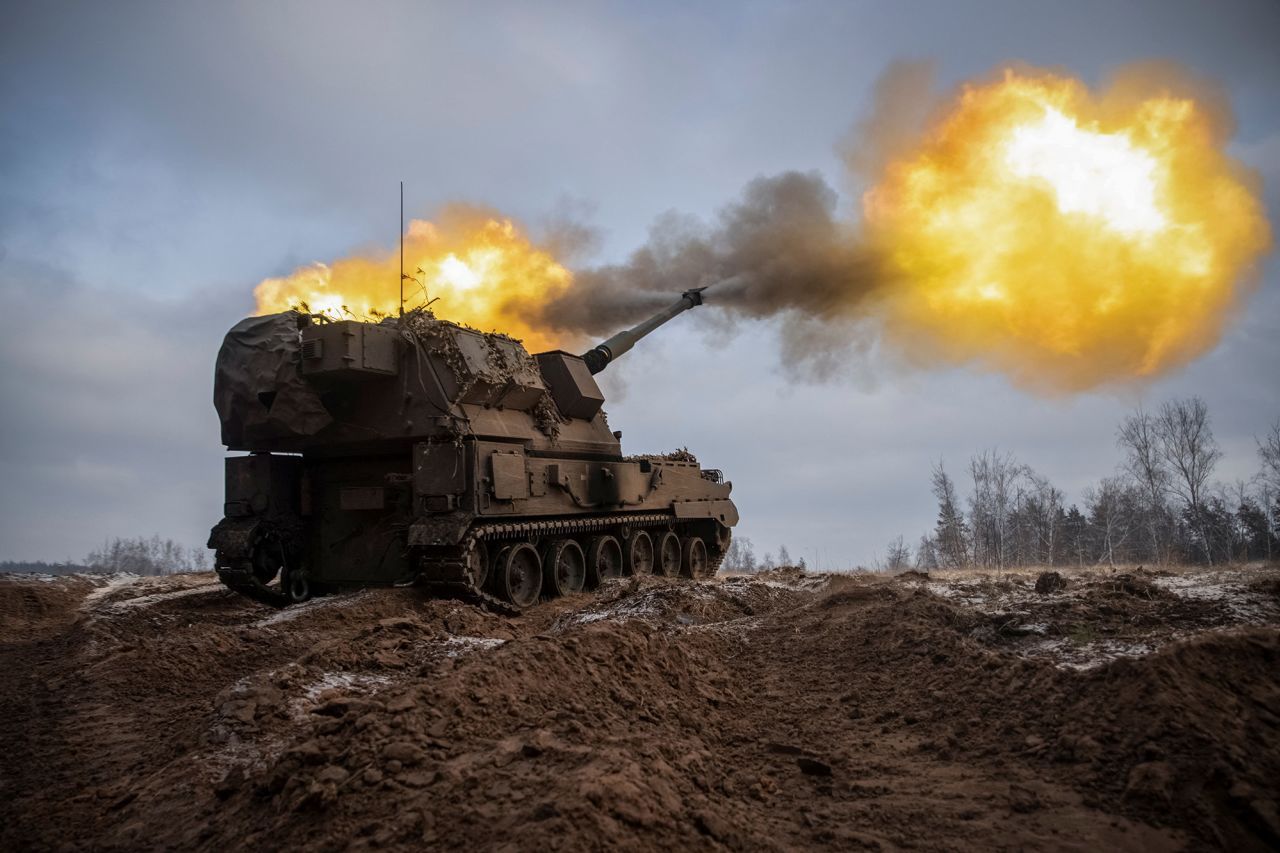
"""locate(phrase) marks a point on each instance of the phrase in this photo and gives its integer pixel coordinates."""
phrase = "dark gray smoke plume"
(777, 250)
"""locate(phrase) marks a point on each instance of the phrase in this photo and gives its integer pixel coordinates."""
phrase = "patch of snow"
(629, 608)
(357, 682)
(154, 598)
(293, 611)
(455, 646)
(806, 583)
(1086, 656)
(1227, 588)
(110, 584)
(740, 628)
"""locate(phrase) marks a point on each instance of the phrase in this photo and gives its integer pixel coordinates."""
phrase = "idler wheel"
(604, 560)
(638, 554)
(268, 559)
(693, 557)
(668, 554)
(492, 572)
(564, 568)
(297, 587)
(519, 574)
(478, 563)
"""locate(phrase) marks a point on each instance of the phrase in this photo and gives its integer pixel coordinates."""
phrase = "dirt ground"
(1123, 710)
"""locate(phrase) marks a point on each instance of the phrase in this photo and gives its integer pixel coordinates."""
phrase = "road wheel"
(564, 568)
(668, 554)
(519, 575)
(604, 560)
(638, 554)
(693, 558)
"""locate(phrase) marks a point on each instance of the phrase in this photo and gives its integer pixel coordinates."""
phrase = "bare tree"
(927, 554)
(898, 557)
(1110, 517)
(1269, 453)
(995, 476)
(1139, 437)
(1038, 511)
(1189, 450)
(142, 556)
(1268, 483)
(741, 556)
(952, 534)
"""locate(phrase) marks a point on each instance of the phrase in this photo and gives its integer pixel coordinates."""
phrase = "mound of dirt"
(775, 711)
(1049, 582)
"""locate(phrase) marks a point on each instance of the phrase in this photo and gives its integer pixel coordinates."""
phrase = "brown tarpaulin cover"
(256, 386)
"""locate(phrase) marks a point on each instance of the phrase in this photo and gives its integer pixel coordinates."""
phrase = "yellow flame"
(480, 267)
(1098, 174)
(1065, 238)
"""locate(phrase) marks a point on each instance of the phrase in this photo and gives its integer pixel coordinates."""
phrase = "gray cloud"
(107, 425)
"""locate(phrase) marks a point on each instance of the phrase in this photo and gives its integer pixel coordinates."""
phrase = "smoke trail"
(779, 249)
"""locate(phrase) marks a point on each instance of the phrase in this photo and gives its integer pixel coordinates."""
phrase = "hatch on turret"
(572, 386)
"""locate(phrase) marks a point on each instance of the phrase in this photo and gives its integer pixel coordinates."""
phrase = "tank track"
(713, 563)
(450, 573)
(234, 541)
(447, 572)
(239, 577)
(561, 527)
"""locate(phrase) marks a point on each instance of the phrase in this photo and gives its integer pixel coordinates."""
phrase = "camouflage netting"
(681, 454)
(431, 335)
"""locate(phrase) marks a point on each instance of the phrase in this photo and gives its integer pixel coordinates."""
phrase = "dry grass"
(1096, 571)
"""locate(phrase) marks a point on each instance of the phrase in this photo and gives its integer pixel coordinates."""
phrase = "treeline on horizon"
(138, 556)
(1161, 506)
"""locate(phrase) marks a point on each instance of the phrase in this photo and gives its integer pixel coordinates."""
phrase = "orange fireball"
(481, 268)
(1065, 238)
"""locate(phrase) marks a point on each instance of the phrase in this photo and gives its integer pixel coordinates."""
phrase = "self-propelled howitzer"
(418, 450)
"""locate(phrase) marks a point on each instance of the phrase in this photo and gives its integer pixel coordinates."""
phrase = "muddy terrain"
(1106, 710)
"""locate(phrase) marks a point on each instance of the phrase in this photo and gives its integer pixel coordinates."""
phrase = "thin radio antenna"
(402, 249)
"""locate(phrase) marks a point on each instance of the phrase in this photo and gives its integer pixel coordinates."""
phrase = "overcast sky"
(158, 160)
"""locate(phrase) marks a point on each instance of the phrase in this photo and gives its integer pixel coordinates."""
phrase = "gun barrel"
(599, 356)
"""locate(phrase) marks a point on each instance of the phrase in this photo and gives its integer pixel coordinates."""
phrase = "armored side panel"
(360, 509)
(263, 484)
(440, 474)
(350, 350)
